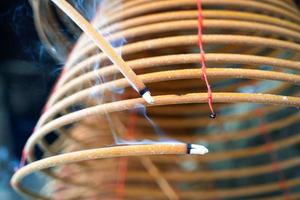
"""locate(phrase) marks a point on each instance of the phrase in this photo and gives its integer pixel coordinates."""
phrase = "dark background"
(27, 73)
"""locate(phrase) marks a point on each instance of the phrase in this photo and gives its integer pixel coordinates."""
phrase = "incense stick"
(108, 152)
(105, 46)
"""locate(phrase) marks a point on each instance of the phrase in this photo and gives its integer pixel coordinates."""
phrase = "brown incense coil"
(252, 54)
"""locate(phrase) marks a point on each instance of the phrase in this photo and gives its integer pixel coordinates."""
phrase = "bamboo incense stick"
(107, 152)
(105, 46)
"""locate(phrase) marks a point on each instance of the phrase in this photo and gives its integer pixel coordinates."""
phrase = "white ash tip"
(198, 149)
(148, 98)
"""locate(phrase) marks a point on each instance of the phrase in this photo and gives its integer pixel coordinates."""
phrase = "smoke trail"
(30, 49)
(87, 8)
(139, 108)
(100, 97)
(142, 110)
(116, 44)
(163, 138)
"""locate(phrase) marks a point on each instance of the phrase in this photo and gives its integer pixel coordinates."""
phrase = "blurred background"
(27, 74)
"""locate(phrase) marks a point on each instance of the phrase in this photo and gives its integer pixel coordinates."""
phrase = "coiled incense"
(109, 152)
(252, 59)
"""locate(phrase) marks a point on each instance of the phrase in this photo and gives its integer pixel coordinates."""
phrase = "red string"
(123, 169)
(122, 177)
(269, 148)
(202, 57)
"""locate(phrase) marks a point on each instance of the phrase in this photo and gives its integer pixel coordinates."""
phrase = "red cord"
(123, 169)
(122, 177)
(269, 148)
(202, 58)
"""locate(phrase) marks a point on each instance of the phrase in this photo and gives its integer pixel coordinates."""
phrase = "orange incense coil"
(252, 57)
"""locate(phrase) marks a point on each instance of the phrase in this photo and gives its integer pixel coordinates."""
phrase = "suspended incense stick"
(104, 45)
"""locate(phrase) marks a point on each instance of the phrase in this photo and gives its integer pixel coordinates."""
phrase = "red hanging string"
(269, 148)
(122, 177)
(123, 167)
(202, 58)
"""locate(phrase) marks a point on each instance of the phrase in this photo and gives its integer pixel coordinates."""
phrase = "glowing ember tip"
(197, 149)
(148, 98)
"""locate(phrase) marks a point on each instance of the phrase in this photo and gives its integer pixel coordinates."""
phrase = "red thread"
(122, 177)
(269, 148)
(202, 57)
(123, 169)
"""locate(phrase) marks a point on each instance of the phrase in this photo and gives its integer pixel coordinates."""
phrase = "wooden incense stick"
(108, 152)
(105, 46)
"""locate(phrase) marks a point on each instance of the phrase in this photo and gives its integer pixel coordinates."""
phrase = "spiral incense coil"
(111, 144)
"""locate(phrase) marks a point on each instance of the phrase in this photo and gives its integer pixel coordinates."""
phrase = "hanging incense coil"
(252, 53)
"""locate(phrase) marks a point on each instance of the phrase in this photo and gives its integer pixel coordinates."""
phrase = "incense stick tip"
(198, 149)
(148, 98)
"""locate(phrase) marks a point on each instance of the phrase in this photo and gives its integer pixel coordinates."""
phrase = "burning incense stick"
(104, 45)
(108, 152)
